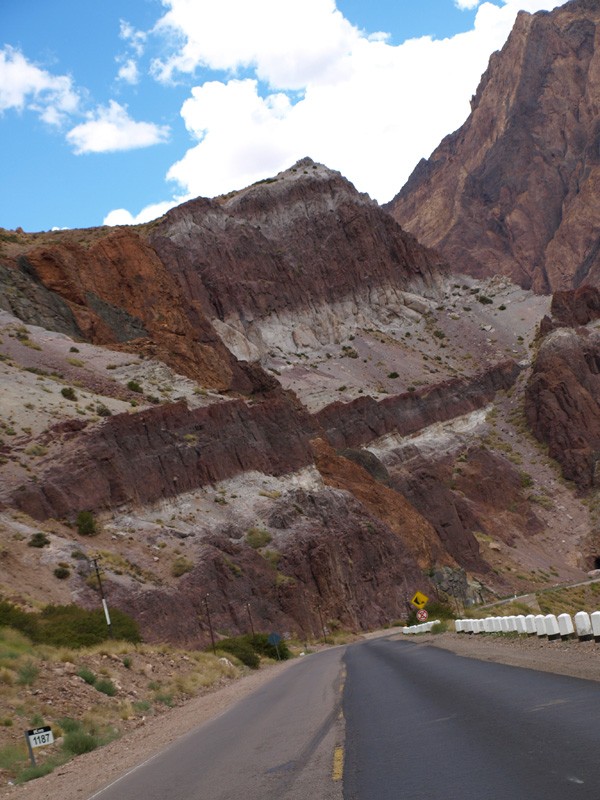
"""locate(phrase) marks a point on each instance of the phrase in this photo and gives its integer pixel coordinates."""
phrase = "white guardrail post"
(583, 625)
(565, 626)
(595, 618)
(540, 625)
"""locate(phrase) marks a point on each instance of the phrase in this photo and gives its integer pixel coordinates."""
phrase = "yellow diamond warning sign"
(419, 600)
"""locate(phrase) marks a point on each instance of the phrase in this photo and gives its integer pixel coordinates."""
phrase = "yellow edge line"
(338, 764)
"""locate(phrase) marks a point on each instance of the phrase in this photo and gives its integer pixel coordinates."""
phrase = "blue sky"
(113, 110)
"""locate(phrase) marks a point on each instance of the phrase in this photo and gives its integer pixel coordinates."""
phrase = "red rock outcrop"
(481, 492)
(364, 419)
(382, 502)
(562, 396)
(163, 451)
(571, 309)
(120, 293)
(514, 190)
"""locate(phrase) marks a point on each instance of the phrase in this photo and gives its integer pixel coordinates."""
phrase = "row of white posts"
(422, 627)
(583, 625)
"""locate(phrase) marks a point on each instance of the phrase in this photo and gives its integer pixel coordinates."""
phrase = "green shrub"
(78, 742)
(69, 393)
(106, 686)
(86, 524)
(69, 725)
(258, 537)
(164, 697)
(87, 675)
(23, 621)
(61, 573)
(11, 756)
(72, 626)
(393, 375)
(242, 650)
(103, 411)
(28, 674)
(180, 566)
(38, 540)
(250, 647)
(260, 643)
(484, 300)
(134, 386)
(30, 773)
(69, 626)
(439, 627)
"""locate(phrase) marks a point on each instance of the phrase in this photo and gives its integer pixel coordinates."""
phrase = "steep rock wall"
(513, 191)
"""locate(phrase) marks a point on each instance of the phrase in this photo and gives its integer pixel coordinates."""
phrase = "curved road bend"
(419, 723)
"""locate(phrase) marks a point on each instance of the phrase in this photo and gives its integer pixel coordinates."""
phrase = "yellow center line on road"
(338, 764)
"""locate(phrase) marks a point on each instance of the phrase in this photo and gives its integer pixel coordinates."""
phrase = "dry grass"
(159, 677)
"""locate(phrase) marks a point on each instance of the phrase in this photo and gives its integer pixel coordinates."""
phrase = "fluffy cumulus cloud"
(110, 129)
(301, 80)
(23, 85)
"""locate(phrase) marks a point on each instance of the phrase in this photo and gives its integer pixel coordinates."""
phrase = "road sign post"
(419, 600)
(38, 737)
(274, 639)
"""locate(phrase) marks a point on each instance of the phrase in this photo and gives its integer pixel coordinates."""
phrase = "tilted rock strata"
(163, 451)
(304, 250)
(387, 505)
(365, 419)
(514, 190)
(293, 262)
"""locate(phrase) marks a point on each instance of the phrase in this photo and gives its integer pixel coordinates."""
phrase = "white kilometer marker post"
(38, 737)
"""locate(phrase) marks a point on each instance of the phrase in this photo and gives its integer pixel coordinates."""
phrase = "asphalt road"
(426, 723)
(388, 720)
(277, 743)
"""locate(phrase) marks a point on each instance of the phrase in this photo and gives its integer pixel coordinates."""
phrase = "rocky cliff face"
(297, 261)
(514, 190)
(562, 393)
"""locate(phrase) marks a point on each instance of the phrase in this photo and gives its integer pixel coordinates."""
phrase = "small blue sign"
(274, 639)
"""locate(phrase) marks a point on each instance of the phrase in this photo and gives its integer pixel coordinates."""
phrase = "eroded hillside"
(276, 398)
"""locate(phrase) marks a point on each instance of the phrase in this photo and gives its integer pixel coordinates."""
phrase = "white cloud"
(23, 85)
(136, 39)
(110, 128)
(289, 42)
(128, 72)
(312, 84)
(465, 5)
(120, 216)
